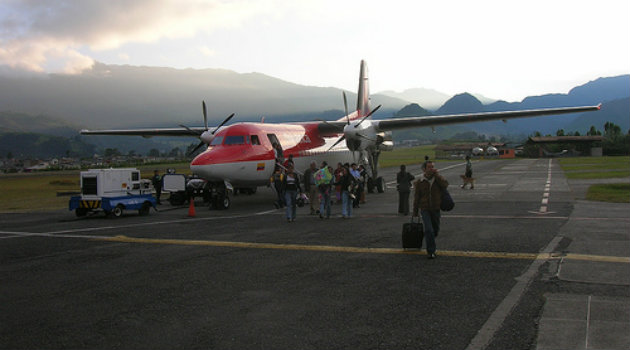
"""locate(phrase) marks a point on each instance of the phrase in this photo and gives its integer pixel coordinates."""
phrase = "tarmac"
(590, 321)
(165, 294)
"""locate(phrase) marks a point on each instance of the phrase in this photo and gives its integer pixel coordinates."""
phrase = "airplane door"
(273, 139)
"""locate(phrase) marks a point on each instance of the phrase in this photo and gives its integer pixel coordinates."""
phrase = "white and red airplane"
(241, 155)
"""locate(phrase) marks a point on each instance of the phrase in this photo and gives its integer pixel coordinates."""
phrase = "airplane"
(241, 155)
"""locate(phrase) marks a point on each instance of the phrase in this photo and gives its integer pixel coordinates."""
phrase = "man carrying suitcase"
(427, 199)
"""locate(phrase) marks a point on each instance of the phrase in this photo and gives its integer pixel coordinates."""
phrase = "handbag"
(447, 201)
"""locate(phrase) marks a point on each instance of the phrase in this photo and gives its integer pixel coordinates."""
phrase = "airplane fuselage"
(243, 155)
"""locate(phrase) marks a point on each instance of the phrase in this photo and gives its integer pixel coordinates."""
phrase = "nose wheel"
(219, 196)
(221, 202)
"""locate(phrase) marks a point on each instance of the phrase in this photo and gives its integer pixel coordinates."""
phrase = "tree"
(560, 132)
(175, 152)
(154, 152)
(112, 152)
(593, 131)
(611, 130)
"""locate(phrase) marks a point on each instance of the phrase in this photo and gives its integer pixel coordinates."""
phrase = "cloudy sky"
(501, 49)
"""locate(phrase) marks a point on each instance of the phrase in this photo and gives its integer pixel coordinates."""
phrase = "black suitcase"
(412, 234)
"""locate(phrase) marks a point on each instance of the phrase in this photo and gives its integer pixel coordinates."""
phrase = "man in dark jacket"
(403, 185)
(427, 199)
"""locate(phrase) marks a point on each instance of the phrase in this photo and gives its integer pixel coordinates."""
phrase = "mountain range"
(113, 96)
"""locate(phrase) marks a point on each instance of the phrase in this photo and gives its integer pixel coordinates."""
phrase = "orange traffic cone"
(191, 208)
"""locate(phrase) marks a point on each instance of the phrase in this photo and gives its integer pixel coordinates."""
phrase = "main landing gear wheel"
(221, 202)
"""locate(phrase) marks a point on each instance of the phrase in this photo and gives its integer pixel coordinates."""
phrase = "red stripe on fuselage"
(295, 139)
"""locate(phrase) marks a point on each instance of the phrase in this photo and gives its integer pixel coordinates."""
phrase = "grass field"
(595, 167)
(601, 168)
(613, 193)
(407, 156)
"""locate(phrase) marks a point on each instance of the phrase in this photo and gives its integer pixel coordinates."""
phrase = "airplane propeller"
(343, 137)
(206, 136)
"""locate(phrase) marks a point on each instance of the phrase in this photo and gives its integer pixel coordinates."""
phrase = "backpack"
(447, 201)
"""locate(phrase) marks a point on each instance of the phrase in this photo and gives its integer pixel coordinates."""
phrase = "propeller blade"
(205, 115)
(336, 143)
(196, 148)
(367, 116)
(225, 121)
(345, 105)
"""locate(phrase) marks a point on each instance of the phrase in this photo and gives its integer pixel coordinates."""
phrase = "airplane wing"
(195, 131)
(416, 122)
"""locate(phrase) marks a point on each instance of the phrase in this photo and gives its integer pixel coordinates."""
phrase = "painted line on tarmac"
(326, 248)
(152, 223)
(499, 315)
(346, 249)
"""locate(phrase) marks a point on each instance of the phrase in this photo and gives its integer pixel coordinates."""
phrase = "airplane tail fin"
(363, 99)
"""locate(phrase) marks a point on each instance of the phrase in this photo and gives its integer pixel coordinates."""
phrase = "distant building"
(572, 146)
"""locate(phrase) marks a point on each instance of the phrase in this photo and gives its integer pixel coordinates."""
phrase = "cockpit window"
(216, 141)
(235, 140)
(255, 140)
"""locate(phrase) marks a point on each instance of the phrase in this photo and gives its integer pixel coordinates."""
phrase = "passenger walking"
(277, 181)
(310, 187)
(362, 181)
(346, 182)
(354, 171)
(403, 185)
(427, 199)
(337, 175)
(324, 179)
(468, 174)
(291, 188)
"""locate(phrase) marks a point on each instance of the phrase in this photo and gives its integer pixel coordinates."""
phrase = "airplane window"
(216, 141)
(255, 140)
(235, 140)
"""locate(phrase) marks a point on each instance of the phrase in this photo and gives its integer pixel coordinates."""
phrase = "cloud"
(206, 51)
(55, 36)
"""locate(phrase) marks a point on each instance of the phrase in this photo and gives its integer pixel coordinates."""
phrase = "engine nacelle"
(386, 146)
(360, 135)
(206, 137)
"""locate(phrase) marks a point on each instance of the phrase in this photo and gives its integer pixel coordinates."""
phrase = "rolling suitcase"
(412, 234)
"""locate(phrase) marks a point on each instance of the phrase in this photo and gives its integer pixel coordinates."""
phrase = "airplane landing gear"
(219, 193)
(378, 184)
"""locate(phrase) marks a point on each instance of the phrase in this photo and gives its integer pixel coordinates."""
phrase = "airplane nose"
(204, 165)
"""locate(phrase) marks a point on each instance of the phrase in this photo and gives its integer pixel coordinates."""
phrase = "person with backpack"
(324, 180)
(291, 185)
(277, 180)
(427, 200)
(347, 184)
